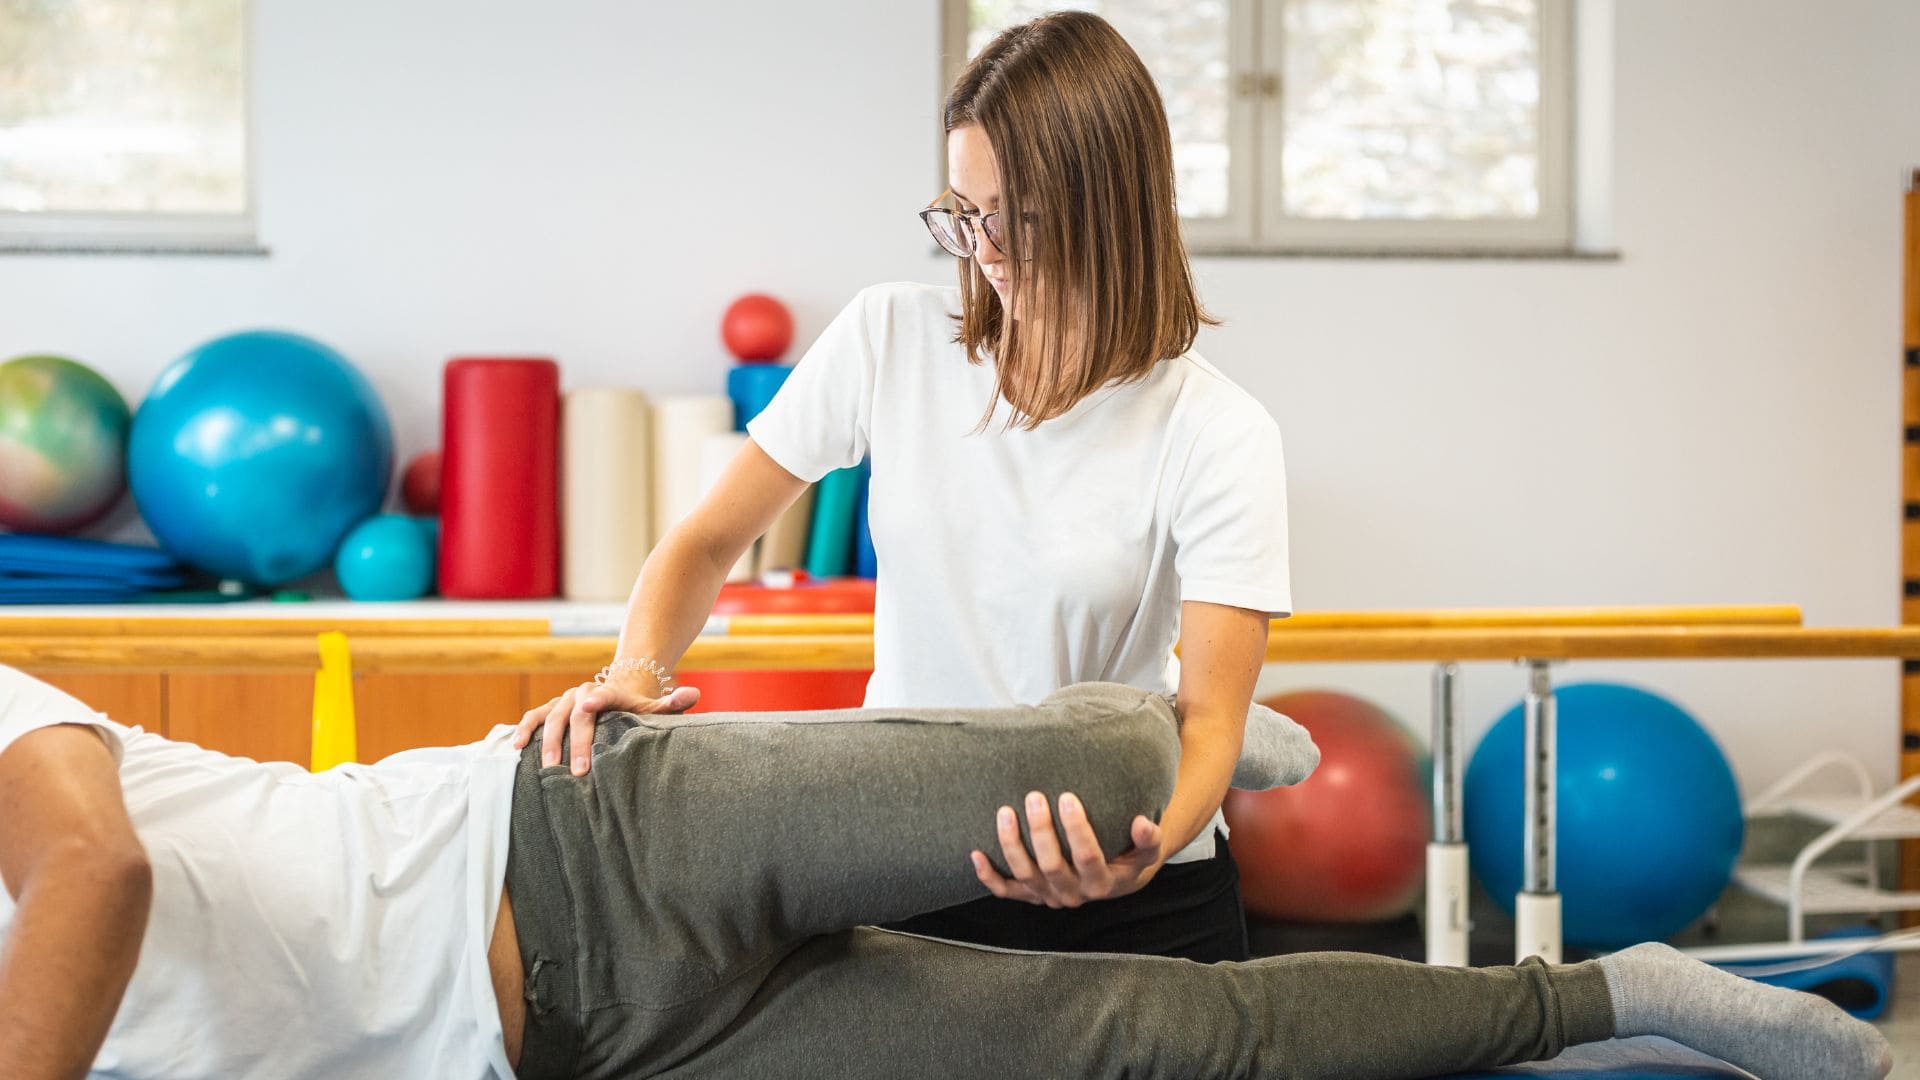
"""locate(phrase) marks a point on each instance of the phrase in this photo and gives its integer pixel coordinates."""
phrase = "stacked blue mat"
(1621, 1059)
(1859, 982)
(62, 570)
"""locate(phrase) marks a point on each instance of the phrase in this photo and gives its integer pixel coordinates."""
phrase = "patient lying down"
(700, 904)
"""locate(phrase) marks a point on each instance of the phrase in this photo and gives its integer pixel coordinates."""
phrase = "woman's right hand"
(569, 718)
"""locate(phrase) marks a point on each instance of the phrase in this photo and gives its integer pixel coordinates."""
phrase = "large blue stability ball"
(1649, 814)
(255, 453)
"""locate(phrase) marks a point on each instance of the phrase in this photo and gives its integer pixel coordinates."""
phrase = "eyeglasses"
(957, 233)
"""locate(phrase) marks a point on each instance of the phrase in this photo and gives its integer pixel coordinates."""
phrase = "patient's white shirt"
(332, 924)
(1013, 562)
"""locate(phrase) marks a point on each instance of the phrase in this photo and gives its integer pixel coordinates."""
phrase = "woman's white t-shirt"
(1013, 562)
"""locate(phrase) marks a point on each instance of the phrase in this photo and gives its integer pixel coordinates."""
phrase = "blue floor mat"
(1862, 983)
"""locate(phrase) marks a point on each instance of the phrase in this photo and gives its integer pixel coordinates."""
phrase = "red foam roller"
(499, 478)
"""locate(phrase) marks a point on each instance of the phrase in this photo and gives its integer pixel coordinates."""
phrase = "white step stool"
(1846, 887)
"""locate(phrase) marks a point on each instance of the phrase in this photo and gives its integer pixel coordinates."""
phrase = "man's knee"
(1135, 735)
(1105, 700)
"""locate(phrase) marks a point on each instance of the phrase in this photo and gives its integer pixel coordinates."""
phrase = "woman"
(1061, 489)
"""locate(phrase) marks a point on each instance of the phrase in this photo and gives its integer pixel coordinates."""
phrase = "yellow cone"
(333, 732)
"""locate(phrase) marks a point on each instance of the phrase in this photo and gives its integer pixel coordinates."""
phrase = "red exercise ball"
(1348, 844)
(757, 327)
(420, 484)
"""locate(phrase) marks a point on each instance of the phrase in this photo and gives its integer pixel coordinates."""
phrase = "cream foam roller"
(606, 492)
(785, 545)
(680, 426)
(716, 453)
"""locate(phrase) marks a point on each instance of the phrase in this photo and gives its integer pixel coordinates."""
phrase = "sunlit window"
(1185, 44)
(1345, 124)
(123, 119)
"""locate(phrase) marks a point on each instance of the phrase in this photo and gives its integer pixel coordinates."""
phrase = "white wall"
(1714, 418)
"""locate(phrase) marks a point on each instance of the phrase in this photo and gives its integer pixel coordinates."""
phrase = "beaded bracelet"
(637, 663)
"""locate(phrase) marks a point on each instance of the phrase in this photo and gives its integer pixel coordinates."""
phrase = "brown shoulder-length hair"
(1097, 264)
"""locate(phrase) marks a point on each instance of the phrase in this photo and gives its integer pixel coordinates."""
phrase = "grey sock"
(1774, 1033)
(1274, 752)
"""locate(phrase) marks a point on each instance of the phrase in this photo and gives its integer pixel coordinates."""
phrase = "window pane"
(1412, 109)
(1184, 44)
(122, 105)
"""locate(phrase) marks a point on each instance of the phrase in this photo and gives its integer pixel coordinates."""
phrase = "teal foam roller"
(830, 543)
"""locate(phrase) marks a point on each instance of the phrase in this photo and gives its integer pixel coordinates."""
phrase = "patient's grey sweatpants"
(695, 907)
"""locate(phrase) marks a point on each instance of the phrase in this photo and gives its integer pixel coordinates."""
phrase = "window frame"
(1256, 223)
(28, 231)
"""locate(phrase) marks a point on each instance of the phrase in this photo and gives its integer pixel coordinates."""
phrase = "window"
(123, 123)
(1349, 125)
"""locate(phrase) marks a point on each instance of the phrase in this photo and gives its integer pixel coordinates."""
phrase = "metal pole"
(1447, 892)
(1447, 826)
(1537, 908)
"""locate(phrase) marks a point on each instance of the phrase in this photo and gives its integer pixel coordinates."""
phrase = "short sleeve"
(1230, 519)
(819, 420)
(27, 705)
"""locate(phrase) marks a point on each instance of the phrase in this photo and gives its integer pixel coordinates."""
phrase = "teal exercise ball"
(387, 557)
(1649, 814)
(254, 454)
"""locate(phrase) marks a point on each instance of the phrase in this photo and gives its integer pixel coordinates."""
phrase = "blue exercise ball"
(254, 454)
(387, 557)
(1649, 814)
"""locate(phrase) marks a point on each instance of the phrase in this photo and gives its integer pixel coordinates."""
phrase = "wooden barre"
(469, 654)
(1599, 643)
(1488, 618)
(1438, 618)
(817, 625)
(855, 652)
(144, 626)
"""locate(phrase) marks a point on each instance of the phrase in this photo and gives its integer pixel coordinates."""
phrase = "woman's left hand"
(1066, 879)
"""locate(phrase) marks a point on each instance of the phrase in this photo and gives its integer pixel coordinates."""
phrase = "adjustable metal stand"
(1447, 877)
(1537, 908)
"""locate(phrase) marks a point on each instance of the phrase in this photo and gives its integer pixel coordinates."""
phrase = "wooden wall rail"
(1469, 618)
(476, 654)
(1910, 512)
(1463, 618)
(813, 625)
(1599, 643)
(146, 626)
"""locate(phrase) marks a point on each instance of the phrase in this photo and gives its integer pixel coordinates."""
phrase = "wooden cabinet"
(134, 700)
(264, 717)
(546, 686)
(399, 712)
(270, 717)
